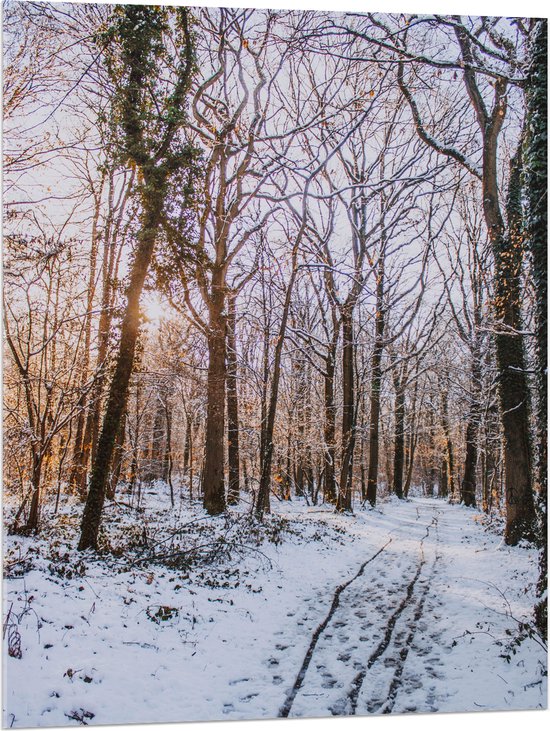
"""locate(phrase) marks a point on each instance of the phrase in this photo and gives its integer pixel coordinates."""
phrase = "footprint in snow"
(339, 708)
(249, 697)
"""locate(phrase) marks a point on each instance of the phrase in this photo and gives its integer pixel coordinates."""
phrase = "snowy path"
(369, 635)
(410, 607)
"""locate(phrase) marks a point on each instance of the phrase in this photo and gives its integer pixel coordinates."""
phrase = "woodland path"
(410, 607)
(356, 659)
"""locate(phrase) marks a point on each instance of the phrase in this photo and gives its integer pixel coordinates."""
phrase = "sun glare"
(155, 308)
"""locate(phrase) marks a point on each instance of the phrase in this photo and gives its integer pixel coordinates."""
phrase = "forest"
(274, 298)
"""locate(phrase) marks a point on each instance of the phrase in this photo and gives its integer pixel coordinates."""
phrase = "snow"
(222, 636)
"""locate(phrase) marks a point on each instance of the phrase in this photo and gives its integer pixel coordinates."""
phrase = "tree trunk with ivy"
(507, 246)
(536, 230)
(513, 385)
(136, 37)
(118, 391)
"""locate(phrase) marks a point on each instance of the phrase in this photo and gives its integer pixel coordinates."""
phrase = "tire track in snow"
(348, 704)
(358, 681)
(289, 700)
(387, 706)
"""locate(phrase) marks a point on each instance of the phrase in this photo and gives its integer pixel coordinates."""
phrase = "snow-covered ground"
(413, 607)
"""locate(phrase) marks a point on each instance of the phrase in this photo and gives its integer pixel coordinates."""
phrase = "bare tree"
(43, 328)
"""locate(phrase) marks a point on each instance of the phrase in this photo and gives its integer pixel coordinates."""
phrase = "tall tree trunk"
(303, 415)
(110, 264)
(34, 512)
(449, 459)
(213, 477)
(362, 466)
(411, 445)
(187, 446)
(443, 480)
(76, 479)
(287, 478)
(118, 392)
(330, 427)
(118, 457)
(537, 242)
(135, 443)
(300, 471)
(306, 448)
(156, 454)
(376, 382)
(263, 490)
(399, 440)
(64, 442)
(348, 411)
(191, 464)
(245, 477)
(266, 451)
(468, 487)
(93, 417)
(232, 407)
(431, 468)
(168, 459)
(310, 475)
(513, 386)
(411, 450)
